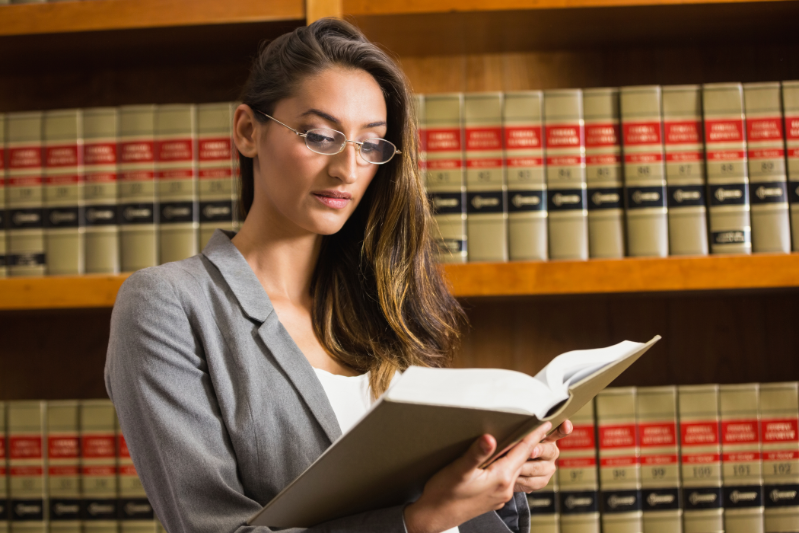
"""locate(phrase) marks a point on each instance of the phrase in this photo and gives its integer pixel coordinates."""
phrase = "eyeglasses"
(331, 142)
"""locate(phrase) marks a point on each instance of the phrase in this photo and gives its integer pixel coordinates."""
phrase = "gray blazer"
(218, 405)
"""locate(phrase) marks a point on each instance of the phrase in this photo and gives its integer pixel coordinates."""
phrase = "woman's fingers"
(547, 451)
(523, 450)
(564, 430)
(478, 453)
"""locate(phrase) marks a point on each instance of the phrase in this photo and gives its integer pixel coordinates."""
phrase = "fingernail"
(485, 445)
(547, 426)
(536, 451)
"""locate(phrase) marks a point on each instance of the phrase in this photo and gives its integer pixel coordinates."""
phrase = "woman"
(233, 370)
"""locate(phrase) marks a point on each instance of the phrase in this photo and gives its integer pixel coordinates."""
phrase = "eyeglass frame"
(344, 145)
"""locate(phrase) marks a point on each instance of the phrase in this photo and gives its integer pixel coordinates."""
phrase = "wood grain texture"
(59, 292)
(316, 9)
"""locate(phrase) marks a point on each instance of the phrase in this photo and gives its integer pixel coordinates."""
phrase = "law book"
(24, 178)
(619, 468)
(176, 176)
(790, 107)
(216, 189)
(524, 169)
(135, 512)
(98, 466)
(381, 461)
(603, 173)
(27, 466)
(238, 213)
(63, 194)
(4, 508)
(567, 203)
(644, 171)
(101, 239)
(726, 168)
(779, 422)
(577, 474)
(700, 458)
(768, 180)
(685, 170)
(486, 187)
(138, 200)
(3, 217)
(543, 505)
(660, 467)
(446, 186)
(63, 466)
(742, 473)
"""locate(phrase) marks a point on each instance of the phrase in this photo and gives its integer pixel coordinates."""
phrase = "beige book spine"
(727, 169)
(238, 215)
(685, 170)
(418, 109)
(644, 171)
(63, 191)
(446, 186)
(543, 505)
(98, 466)
(216, 189)
(5, 512)
(768, 179)
(24, 194)
(524, 169)
(578, 482)
(3, 212)
(790, 107)
(27, 465)
(135, 512)
(63, 466)
(779, 422)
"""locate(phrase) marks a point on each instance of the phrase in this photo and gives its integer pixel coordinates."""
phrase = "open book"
(427, 419)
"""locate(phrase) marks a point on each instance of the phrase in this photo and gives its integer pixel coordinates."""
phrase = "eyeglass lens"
(329, 142)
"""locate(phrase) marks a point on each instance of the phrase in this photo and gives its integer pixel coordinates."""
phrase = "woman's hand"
(540, 466)
(462, 490)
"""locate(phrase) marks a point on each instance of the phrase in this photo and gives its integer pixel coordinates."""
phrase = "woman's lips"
(331, 201)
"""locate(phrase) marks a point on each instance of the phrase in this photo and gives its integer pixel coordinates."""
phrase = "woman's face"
(317, 193)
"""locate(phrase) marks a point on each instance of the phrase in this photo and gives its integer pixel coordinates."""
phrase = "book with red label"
(768, 180)
(790, 107)
(238, 214)
(63, 195)
(135, 512)
(3, 217)
(98, 466)
(578, 483)
(685, 170)
(4, 509)
(27, 466)
(603, 173)
(779, 423)
(216, 188)
(63, 466)
(24, 194)
(727, 169)
(660, 467)
(619, 464)
(567, 203)
(524, 167)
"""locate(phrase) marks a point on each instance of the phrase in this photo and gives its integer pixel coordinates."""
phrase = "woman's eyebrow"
(334, 120)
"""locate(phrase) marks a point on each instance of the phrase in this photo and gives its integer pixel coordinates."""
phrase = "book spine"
(644, 171)
(101, 252)
(524, 167)
(238, 215)
(446, 187)
(768, 179)
(215, 186)
(660, 468)
(138, 203)
(742, 473)
(27, 467)
(63, 192)
(619, 468)
(603, 173)
(98, 466)
(63, 468)
(5, 512)
(3, 217)
(685, 170)
(726, 168)
(779, 423)
(700, 458)
(543, 504)
(567, 203)
(790, 105)
(24, 194)
(578, 484)
(135, 512)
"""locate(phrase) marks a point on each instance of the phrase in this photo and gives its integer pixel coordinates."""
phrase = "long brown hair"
(380, 302)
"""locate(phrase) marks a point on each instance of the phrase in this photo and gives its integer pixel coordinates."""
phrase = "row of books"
(104, 190)
(693, 459)
(68, 470)
(613, 172)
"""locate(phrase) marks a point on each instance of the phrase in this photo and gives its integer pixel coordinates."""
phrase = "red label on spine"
(484, 163)
(2, 447)
(623, 436)
(659, 459)
(524, 161)
(792, 128)
(100, 177)
(682, 132)
(175, 174)
(62, 156)
(99, 154)
(740, 432)
(581, 438)
(764, 129)
(127, 470)
(137, 175)
(444, 164)
(660, 434)
(740, 457)
(575, 462)
(24, 157)
(565, 160)
(28, 447)
(786, 455)
(175, 150)
(62, 180)
(626, 460)
(638, 133)
(701, 458)
(99, 470)
(63, 470)
(599, 135)
(780, 430)
(215, 173)
(699, 433)
(605, 159)
(721, 131)
(136, 152)
(684, 157)
(214, 149)
(98, 446)
(62, 447)
(124, 452)
(484, 138)
(520, 138)
(26, 471)
(2, 162)
(27, 181)
(770, 153)
(565, 136)
(643, 158)
(443, 140)
(726, 155)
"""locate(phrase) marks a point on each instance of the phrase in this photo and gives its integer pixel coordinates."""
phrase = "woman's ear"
(244, 131)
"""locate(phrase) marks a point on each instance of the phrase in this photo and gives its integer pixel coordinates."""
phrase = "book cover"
(138, 202)
(63, 466)
(522, 121)
(135, 512)
(644, 171)
(5, 512)
(603, 173)
(768, 180)
(685, 170)
(63, 195)
(619, 468)
(27, 466)
(486, 187)
(578, 481)
(24, 194)
(742, 474)
(176, 175)
(790, 106)
(543, 504)
(446, 186)
(98, 466)
(779, 423)
(660, 467)
(565, 170)
(726, 168)
(216, 189)
(700, 458)
(101, 247)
